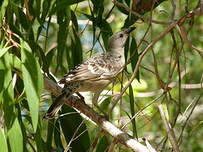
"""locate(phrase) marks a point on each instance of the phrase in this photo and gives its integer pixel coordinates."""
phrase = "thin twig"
(179, 22)
(169, 129)
(141, 110)
(183, 35)
(140, 60)
(189, 115)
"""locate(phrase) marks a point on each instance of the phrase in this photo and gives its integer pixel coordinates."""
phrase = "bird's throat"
(118, 54)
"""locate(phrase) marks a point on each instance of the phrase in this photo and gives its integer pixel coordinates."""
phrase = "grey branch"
(79, 104)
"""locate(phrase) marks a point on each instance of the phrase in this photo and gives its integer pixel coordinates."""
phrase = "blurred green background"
(50, 37)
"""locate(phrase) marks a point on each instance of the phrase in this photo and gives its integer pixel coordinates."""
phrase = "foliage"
(52, 36)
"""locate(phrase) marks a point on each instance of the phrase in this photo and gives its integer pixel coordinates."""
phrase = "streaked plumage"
(95, 73)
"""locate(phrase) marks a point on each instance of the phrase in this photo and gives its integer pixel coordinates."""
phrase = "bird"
(94, 74)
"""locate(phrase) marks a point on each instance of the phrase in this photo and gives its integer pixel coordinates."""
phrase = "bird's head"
(118, 40)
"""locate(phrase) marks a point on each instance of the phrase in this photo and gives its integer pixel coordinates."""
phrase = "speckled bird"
(95, 73)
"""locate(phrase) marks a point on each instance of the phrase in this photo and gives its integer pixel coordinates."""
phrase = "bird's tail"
(58, 103)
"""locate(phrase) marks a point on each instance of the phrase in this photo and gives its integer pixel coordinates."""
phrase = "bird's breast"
(93, 86)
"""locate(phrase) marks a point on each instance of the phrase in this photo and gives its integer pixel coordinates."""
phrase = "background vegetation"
(52, 36)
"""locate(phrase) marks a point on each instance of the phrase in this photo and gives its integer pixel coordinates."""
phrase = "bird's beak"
(130, 30)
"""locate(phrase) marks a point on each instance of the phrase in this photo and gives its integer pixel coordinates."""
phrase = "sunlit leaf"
(33, 81)
(6, 87)
(3, 141)
(3, 51)
(15, 137)
(3, 10)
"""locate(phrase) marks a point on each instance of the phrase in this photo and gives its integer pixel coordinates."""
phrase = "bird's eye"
(121, 35)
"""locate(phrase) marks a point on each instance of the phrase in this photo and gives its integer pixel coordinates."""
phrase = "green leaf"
(15, 137)
(76, 48)
(50, 134)
(22, 17)
(33, 81)
(63, 19)
(49, 56)
(74, 20)
(3, 10)
(73, 126)
(98, 8)
(1, 83)
(63, 3)
(4, 50)
(121, 8)
(132, 110)
(57, 136)
(16, 63)
(45, 8)
(126, 49)
(105, 104)
(134, 52)
(23, 127)
(38, 51)
(102, 145)
(130, 20)
(40, 144)
(6, 89)
(3, 141)
(106, 32)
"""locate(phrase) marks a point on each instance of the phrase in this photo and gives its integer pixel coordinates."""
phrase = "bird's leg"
(95, 103)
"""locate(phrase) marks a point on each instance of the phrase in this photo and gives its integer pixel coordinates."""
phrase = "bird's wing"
(102, 66)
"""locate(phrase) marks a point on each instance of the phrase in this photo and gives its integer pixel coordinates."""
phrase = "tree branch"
(79, 104)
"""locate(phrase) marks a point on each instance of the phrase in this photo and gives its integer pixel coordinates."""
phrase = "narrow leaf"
(132, 110)
(102, 145)
(3, 141)
(3, 10)
(134, 52)
(76, 48)
(64, 3)
(57, 136)
(7, 89)
(33, 82)
(73, 126)
(4, 50)
(15, 137)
